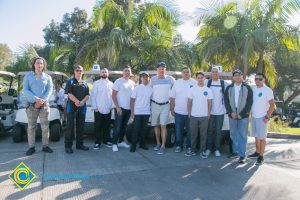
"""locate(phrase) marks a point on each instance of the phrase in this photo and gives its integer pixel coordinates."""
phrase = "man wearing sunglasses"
(262, 109)
(78, 94)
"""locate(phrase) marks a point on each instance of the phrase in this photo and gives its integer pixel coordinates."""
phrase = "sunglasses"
(78, 70)
(258, 79)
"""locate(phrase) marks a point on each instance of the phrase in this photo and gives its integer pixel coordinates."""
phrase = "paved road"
(103, 174)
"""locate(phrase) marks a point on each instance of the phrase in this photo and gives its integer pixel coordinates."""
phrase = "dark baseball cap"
(144, 73)
(237, 71)
(161, 64)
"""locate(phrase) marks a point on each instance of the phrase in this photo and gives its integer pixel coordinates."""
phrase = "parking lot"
(102, 174)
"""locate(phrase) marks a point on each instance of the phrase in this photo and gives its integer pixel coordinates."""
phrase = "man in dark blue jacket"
(238, 101)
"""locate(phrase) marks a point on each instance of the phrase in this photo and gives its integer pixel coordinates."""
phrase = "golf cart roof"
(47, 72)
(97, 72)
(4, 73)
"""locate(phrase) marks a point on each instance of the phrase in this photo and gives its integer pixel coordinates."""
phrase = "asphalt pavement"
(103, 174)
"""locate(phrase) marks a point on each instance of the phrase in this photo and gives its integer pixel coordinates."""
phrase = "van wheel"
(171, 137)
(55, 132)
(18, 133)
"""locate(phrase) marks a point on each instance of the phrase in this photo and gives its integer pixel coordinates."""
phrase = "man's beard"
(104, 76)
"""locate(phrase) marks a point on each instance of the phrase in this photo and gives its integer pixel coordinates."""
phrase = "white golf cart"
(7, 103)
(90, 77)
(171, 134)
(55, 118)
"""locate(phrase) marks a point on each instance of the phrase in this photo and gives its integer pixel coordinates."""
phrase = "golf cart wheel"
(55, 132)
(171, 137)
(128, 132)
(18, 133)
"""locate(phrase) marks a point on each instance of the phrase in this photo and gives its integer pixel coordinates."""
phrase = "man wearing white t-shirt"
(262, 109)
(122, 90)
(140, 111)
(160, 106)
(102, 103)
(214, 134)
(178, 103)
(199, 108)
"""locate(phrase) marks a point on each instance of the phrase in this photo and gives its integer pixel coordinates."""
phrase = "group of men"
(198, 106)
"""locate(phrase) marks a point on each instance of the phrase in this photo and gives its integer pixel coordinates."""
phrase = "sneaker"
(108, 144)
(30, 151)
(217, 153)
(133, 148)
(190, 153)
(260, 160)
(144, 147)
(161, 150)
(233, 155)
(97, 146)
(115, 148)
(123, 144)
(47, 149)
(207, 152)
(177, 149)
(242, 160)
(157, 147)
(254, 155)
(82, 147)
(69, 150)
(203, 155)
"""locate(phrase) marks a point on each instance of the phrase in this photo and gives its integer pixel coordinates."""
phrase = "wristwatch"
(267, 117)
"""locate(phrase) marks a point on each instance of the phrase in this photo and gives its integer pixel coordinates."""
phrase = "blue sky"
(22, 21)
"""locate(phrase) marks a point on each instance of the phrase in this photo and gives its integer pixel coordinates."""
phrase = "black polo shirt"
(80, 90)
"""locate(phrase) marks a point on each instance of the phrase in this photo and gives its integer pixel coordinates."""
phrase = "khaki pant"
(32, 115)
(199, 124)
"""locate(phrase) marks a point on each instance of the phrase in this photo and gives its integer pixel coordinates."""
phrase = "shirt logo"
(260, 94)
(22, 176)
(191, 86)
(205, 93)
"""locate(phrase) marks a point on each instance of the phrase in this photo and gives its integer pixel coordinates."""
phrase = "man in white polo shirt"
(102, 103)
(160, 106)
(122, 90)
(262, 109)
(214, 134)
(140, 111)
(199, 108)
(179, 97)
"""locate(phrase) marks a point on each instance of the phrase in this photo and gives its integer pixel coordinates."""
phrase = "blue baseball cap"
(161, 64)
(237, 71)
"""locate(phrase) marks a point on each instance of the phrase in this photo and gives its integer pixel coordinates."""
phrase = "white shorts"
(259, 128)
(159, 114)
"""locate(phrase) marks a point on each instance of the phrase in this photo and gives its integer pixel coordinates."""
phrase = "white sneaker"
(207, 152)
(217, 153)
(115, 148)
(123, 144)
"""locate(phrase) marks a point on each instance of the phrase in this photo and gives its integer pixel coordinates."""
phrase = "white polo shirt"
(180, 93)
(261, 98)
(218, 105)
(200, 96)
(101, 96)
(161, 88)
(237, 89)
(61, 97)
(142, 95)
(124, 88)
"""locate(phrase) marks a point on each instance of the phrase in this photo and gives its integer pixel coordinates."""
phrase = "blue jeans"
(181, 122)
(239, 135)
(214, 133)
(120, 125)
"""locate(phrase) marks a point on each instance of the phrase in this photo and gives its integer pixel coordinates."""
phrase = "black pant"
(120, 125)
(102, 127)
(78, 118)
(140, 129)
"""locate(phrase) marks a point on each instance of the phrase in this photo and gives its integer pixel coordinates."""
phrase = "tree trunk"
(294, 95)
(260, 62)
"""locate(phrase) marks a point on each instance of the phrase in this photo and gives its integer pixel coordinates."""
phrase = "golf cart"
(171, 134)
(295, 112)
(55, 118)
(90, 77)
(7, 102)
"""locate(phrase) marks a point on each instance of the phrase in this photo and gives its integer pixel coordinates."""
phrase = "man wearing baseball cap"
(140, 111)
(160, 105)
(238, 101)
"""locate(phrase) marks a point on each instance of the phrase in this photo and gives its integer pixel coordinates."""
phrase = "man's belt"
(164, 103)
